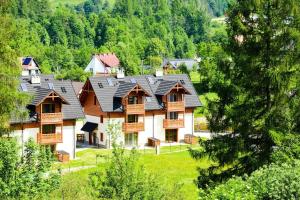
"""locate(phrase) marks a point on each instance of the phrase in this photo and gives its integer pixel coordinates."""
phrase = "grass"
(175, 167)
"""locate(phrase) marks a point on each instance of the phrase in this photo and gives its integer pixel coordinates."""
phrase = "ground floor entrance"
(92, 138)
(131, 139)
(171, 135)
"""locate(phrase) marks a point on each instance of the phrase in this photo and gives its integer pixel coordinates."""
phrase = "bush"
(276, 181)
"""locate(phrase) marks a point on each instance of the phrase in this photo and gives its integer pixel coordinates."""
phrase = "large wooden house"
(158, 108)
(52, 114)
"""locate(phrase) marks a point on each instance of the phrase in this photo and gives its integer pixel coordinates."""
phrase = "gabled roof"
(175, 63)
(106, 93)
(42, 93)
(64, 89)
(125, 88)
(77, 86)
(27, 63)
(109, 59)
(165, 87)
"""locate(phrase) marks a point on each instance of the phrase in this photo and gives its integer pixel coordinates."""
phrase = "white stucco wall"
(27, 133)
(69, 141)
(96, 65)
(159, 131)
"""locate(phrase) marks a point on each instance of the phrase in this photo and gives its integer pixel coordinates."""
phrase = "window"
(173, 97)
(132, 80)
(100, 85)
(101, 119)
(48, 129)
(24, 87)
(132, 100)
(132, 118)
(48, 108)
(182, 82)
(101, 137)
(63, 89)
(131, 139)
(80, 138)
(109, 81)
(95, 100)
(173, 115)
(171, 135)
(151, 81)
(51, 86)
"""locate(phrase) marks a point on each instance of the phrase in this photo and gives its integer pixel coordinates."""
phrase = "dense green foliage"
(138, 31)
(25, 177)
(257, 86)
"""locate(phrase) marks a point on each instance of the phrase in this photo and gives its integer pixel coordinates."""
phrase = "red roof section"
(109, 59)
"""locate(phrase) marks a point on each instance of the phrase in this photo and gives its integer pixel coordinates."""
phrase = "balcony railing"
(50, 138)
(50, 118)
(133, 127)
(138, 109)
(173, 123)
(175, 106)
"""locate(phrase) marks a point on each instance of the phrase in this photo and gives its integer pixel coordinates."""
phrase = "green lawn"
(171, 166)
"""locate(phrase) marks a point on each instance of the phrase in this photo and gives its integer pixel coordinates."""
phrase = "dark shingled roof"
(166, 86)
(124, 88)
(41, 93)
(72, 110)
(108, 102)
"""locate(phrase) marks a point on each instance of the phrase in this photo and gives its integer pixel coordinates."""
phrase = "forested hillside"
(62, 36)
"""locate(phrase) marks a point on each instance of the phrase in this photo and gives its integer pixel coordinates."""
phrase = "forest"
(62, 37)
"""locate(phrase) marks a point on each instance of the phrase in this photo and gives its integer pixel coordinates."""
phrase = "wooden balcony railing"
(50, 118)
(138, 109)
(173, 123)
(50, 138)
(133, 127)
(176, 106)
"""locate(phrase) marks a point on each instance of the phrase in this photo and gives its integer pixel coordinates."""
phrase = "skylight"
(182, 82)
(24, 87)
(100, 85)
(132, 80)
(63, 89)
(109, 81)
(51, 86)
(151, 81)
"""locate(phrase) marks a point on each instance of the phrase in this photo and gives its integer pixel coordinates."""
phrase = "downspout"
(74, 140)
(153, 125)
(193, 122)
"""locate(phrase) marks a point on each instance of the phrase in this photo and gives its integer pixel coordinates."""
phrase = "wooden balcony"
(51, 118)
(173, 123)
(133, 127)
(176, 106)
(138, 109)
(51, 138)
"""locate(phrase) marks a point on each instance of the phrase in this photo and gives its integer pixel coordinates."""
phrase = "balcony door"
(49, 129)
(171, 135)
(131, 139)
(173, 97)
(172, 115)
(48, 108)
(132, 100)
(132, 118)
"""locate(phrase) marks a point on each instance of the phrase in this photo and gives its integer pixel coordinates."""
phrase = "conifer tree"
(257, 89)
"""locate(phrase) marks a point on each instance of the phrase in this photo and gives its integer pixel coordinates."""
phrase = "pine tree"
(256, 91)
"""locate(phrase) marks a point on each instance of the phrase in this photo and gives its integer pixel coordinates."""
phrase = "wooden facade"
(133, 127)
(173, 123)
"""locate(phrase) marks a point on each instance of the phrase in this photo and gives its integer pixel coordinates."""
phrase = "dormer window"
(48, 108)
(173, 97)
(132, 100)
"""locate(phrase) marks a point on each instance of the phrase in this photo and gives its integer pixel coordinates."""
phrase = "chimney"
(35, 79)
(159, 73)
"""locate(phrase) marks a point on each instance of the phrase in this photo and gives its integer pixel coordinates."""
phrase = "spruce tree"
(257, 90)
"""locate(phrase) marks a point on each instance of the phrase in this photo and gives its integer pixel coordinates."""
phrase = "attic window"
(63, 89)
(109, 81)
(100, 85)
(148, 99)
(24, 87)
(182, 82)
(51, 86)
(46, 79)
(151, 81)
(132, 80)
